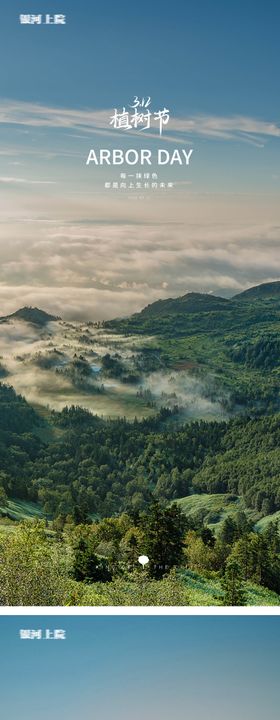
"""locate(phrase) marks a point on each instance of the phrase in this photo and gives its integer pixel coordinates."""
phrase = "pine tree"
(87, 567)
(164, 530)
(228, 531)
(233, 585)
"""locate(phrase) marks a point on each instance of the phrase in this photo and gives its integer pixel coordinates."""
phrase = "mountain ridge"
(33, 315)
(191, 302)
(264, 290)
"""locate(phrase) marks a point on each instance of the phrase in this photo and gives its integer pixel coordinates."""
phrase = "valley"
(158, 434)
(55, 363)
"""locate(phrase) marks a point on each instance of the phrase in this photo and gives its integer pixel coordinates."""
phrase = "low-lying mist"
(81, 364)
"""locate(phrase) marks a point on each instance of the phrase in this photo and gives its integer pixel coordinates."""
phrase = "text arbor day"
(143, 156)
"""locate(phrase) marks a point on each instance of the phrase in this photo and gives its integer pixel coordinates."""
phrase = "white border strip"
(139, 610)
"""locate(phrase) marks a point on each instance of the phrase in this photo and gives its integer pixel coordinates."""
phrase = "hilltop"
(264, 291)
(192, 302)
(196, 313)
(32, 315)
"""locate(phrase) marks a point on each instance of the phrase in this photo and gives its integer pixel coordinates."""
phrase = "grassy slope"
(199, 591)
(262, 524)
(210, 503)
(22, 510)
(214, 508)
(221, 505)
(208, 591)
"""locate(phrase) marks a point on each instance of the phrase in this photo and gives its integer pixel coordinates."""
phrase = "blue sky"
(209, 57)
(133, 667)
(215, 66)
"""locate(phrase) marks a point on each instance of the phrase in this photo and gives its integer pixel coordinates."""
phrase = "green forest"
(82, 496)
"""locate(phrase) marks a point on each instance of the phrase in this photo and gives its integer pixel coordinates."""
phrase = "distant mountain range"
(201, 312)
(190, 303)
(194, 302)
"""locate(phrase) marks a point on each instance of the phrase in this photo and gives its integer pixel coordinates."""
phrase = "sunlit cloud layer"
(99, 271)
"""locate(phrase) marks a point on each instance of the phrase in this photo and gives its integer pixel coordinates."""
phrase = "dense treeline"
(102, 468)
(97, 563)
(195, 313)
(248, 464)
(263, 354)
(107, 488)
(105, 550)
(15, 414)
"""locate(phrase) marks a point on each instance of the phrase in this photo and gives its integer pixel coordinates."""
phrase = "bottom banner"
(130, 668)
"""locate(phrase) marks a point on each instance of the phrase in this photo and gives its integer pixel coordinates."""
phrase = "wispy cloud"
(235, 127)
(25, 181)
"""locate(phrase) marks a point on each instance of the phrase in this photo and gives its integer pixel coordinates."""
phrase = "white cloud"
(229, 128)
(100, 271)
(235, 127)
(25, 181)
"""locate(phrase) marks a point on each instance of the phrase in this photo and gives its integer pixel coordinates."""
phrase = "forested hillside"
(106, 467)
(200, 497)
(231, 344)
